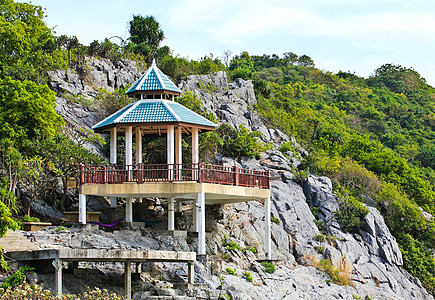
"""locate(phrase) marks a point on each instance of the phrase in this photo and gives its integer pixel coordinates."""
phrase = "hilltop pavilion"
(155, 113)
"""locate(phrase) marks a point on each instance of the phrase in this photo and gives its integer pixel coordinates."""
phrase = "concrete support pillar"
(57, 263)
(191, 273)
(201, 223)
(178, 151)
(138, 137)
(195, 215)
(129, 149)
(127, 279)
(179, 206)
(129, 210)
(82, 208)
(195, 146)
(267, 238)
(113, 202)
(171, 214)
(170, 151)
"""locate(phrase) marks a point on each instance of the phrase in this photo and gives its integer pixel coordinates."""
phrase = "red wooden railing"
(173, 172)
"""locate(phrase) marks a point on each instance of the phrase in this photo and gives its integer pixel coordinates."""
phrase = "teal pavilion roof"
(153, 80)
(154, 112)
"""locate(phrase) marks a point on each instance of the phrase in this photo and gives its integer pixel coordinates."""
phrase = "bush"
(231, 245)
(339, 274)
(248, 276)
(231, 271)
(269, 267)
(275, 220)
(351, 213)
(17, 278)
(35, 291)
(320, 237)
(252, 249)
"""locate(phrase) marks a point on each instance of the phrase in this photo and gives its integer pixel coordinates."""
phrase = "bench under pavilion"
(155, 113)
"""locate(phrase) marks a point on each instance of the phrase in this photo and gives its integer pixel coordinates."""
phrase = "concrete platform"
(58, 256)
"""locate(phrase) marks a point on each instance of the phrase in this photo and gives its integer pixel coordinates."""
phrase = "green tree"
(26, 111)
(146, 35)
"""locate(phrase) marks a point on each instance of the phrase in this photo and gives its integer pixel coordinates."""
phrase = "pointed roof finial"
(154, 62)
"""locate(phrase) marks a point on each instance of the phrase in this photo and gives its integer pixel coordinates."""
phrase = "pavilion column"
(170, 151)
(113, 158)
(178, 152)
(201, 223)
(171, 213)
(138, 135)
(129, 163)
(82, 208)
(195, 146)
(179, 206)
(267, 238)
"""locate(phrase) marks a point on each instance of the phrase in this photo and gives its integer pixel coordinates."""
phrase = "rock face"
(374, 262)
(231, 102)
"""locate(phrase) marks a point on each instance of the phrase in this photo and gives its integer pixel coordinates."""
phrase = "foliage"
(60, 228)
(248, 276)
(351, 213)
(111, 102)
(339, 274)
(240, 142)
(275, 220)
(146, 36)
(27, 218)
(231, 245)
(269, 267)
(28, 47)
(35, 291)
(17, 278)
(418, 260)
(320, 249)
(252, 249)
(26, 111)
(320, 237)
(231, 271)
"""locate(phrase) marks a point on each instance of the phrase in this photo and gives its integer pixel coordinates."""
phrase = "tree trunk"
(65, 190)
(30, 203)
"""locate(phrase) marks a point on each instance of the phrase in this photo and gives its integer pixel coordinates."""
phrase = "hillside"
(351, 160)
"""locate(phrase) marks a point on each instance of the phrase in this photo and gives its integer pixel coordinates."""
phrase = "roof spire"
(154, 62)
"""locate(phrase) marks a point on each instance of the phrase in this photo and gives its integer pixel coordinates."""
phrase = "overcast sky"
(357, 36)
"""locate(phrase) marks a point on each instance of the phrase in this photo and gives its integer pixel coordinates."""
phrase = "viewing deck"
(148, 173)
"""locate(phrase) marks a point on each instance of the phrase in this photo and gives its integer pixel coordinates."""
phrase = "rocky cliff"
(371, 256)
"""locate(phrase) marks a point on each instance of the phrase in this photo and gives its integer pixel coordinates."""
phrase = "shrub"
(351, 213)
(231, 245)
(269, 267)
(320, 249)
(252, 249)
(339, 274)
(248, 276)
(231, 271)
(60, 228)
(320, 237)
(31, 219)
(275, 220)
(17, 278)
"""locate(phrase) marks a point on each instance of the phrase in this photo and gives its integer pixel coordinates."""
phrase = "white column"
(195, 146)
(267, 238)
(195, 215)
(201, 223)
(178, 151)
(127, 279)
(129, 148)
(57, 263)
(113, 158)
(129, 210)
(82, 208)
(170, 151)
(171, 215)
(179, 206)
(138, 134)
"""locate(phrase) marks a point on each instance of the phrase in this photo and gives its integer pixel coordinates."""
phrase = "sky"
(339, 35)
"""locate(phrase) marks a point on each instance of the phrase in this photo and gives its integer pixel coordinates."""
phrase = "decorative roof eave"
(154, 92)
(106, 129)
